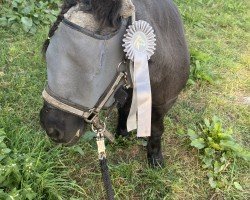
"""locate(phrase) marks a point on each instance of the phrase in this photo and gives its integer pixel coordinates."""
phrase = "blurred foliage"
(29, 14)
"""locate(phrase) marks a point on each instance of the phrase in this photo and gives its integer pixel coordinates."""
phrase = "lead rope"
(100, 140)
(103, 162)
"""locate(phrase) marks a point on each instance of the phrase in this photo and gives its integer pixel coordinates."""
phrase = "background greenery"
(206, 156)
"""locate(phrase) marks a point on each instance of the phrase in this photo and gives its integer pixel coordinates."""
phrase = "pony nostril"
(55, 133)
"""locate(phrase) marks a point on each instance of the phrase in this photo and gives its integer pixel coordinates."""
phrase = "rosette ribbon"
(139, 46)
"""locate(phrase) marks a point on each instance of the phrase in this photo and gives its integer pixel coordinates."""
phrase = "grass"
(216, 28)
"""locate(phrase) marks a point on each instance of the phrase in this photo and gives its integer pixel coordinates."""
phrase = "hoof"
(156, 161)
(122, 132)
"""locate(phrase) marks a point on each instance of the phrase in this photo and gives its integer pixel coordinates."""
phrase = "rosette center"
(140, 42)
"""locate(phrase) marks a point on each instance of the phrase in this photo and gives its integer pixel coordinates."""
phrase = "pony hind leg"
(154, 150)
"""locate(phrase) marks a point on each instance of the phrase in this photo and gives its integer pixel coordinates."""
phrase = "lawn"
(218, 35)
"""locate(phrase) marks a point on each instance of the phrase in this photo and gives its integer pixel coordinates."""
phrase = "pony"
(168, 69)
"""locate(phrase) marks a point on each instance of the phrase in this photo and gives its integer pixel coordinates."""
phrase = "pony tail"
(67, 4)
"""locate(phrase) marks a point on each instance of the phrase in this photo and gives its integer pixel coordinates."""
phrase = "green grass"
(216, 28)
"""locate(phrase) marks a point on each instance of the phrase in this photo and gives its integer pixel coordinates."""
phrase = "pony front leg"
(123, 113)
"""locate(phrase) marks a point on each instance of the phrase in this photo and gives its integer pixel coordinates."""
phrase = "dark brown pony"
(169, 68)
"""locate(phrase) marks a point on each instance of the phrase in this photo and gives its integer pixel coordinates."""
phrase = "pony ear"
(107, 12)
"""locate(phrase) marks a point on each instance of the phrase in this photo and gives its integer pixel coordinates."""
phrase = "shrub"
(29, 14)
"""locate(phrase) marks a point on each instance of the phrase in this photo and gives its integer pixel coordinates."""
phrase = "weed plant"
(218, 151)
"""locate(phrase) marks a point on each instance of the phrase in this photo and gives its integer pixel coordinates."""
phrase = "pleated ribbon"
(139, 46)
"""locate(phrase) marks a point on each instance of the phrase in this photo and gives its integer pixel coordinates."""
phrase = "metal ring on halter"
(99, 130)
(119, 65)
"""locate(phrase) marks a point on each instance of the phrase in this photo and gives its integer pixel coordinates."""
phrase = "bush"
(29, 14)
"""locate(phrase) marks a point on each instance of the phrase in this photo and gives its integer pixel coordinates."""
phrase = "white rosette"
(139, 46)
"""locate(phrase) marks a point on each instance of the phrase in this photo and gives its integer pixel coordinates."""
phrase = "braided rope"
(106, 179)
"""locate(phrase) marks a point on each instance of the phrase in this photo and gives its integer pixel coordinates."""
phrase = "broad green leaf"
(2, 138)
(2, 157)
(223, 158)
(238, 186)
(212, 183)
(207, 78)
(54, 12)
(79, 150)
(6, 151)
(230, 145)
(52, 18)
(3, 195)
(217, 127)
(3, 21)
(192, 134)
(210, 174)
(18, 1)
(2, 133)
(13, 18)
(191, 82)
(143, 142)
(198, 65)
(209, 151)
(215, 146)
(198, 143)
(218, 167)
(215, 119)
(27, 10)
(207, 123)
(27, 22)
(225, 136)
(28, 192)
(33, 30)
(89, 135)
(207, 162)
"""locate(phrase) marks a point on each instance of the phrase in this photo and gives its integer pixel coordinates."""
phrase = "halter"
(90, 116)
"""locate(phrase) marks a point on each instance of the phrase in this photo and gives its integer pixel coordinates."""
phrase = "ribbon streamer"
(139, 47)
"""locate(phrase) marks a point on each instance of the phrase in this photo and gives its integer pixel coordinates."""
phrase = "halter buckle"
(91, 116)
